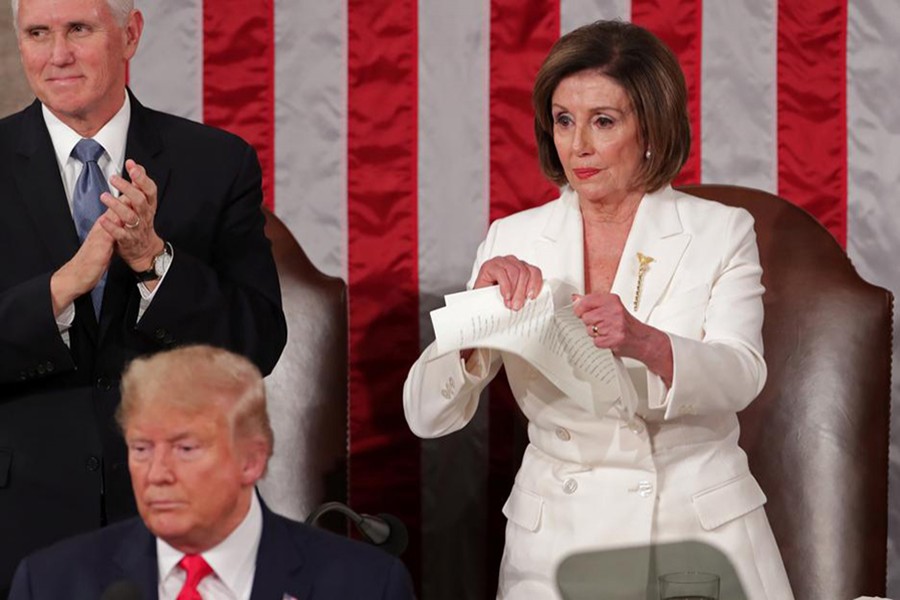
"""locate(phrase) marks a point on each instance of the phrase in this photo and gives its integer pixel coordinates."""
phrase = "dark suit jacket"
(59, 446)
(293, 559)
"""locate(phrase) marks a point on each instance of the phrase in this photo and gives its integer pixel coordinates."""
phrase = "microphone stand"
(385, 531)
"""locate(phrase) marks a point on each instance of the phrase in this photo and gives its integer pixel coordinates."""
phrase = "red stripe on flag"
(239, 76)
(521, 36)
(812, 109)
(382, 133)
(679, 23)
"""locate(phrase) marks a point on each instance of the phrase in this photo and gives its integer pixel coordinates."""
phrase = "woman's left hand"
(611, 326)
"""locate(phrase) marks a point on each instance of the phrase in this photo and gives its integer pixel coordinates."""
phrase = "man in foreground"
(199, 439)
(124, 231)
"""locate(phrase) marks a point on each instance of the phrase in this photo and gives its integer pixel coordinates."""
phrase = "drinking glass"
(689, 585)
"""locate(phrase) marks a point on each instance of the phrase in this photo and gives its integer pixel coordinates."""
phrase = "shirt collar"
(112, 136)
(233, 560)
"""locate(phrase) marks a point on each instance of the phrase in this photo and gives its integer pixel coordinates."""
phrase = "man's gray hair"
(120, 10)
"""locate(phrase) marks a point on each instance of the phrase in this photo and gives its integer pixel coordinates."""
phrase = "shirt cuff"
(64, 323)
(66, 318)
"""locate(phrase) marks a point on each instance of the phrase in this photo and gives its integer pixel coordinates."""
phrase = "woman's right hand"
(517, 279)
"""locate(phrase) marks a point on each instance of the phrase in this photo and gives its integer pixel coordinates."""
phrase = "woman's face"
(595, 130)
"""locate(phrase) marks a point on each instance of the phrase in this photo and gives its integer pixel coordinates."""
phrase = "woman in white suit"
(669, 283)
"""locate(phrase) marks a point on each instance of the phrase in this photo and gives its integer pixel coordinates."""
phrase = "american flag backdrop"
(392, 132)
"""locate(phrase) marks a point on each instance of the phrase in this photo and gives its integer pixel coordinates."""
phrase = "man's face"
(192, 481)
(75, 56)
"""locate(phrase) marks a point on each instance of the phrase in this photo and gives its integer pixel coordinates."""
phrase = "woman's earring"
(647, 154)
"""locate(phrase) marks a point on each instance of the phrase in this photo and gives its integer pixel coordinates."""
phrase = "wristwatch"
(159, 266)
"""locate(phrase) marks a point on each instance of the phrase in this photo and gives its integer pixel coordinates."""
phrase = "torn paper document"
(552, 339)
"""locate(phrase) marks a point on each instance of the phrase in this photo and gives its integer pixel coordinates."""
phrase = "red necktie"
(196, 569)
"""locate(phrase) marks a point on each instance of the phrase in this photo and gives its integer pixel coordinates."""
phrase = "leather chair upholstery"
(818, 435)
(307, 391)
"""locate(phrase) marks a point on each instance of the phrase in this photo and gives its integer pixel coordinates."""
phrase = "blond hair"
(217, 375)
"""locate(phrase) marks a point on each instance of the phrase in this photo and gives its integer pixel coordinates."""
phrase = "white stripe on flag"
(873, 222)
(311, 128)
(453, 152)
(575, 13)
(739, 116)
(167, 71)
(453, 216)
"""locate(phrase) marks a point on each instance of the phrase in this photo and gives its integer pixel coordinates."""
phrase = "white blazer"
(672, 470)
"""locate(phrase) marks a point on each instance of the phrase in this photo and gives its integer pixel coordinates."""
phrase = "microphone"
(384, 531)
(122, 590)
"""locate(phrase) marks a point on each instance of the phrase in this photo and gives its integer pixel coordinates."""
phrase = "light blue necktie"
(86, 205)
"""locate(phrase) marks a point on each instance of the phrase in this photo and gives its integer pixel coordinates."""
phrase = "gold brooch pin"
(643, 263)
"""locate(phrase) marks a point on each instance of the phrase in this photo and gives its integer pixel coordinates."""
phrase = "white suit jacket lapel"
(559, 251)
(657, 232)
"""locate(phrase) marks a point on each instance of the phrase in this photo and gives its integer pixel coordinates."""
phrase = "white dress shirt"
(113, 137)
(233, 562)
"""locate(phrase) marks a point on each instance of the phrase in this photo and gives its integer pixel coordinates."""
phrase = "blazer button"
(49, 367)
(563, 434)
(636, 426)
(644, 489)
(160, 333)
(449, 389)
(570, 486)
(92, 463)
(41, 369)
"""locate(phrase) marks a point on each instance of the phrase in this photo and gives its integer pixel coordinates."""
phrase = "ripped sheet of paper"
(553, 340)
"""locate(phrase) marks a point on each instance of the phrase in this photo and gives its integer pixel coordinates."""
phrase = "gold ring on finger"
(133, 225)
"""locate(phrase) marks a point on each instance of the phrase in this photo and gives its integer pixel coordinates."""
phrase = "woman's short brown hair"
(650, 75)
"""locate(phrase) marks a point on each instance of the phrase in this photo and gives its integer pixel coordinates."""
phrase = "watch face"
(158, 265)
(157, 269)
